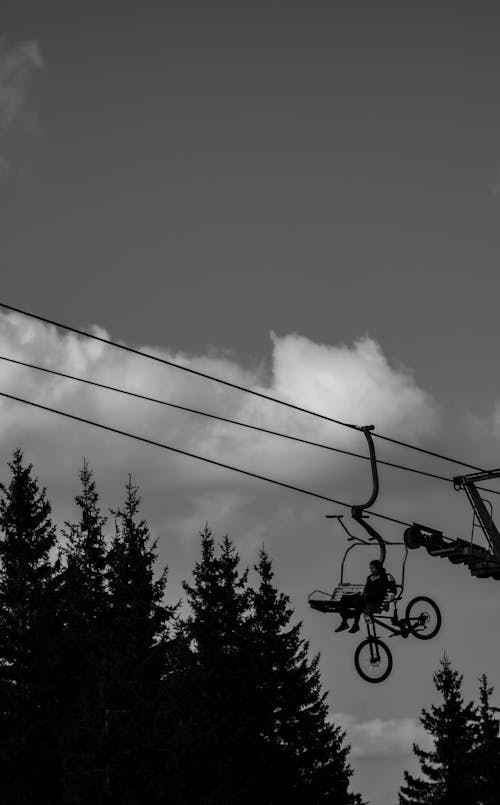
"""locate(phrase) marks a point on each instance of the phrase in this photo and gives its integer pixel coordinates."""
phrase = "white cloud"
(354, 384)
(379, 738)
(17, 65)
(349, 383)
(181, 494)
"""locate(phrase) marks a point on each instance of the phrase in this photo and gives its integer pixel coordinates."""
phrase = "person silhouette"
(377, 585)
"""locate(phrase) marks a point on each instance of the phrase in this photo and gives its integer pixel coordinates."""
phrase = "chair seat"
(325, 602)
(347, 589)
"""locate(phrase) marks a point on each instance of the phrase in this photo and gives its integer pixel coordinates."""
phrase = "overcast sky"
(302, 198)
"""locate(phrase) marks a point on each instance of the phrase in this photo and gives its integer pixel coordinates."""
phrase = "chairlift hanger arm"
(375, 482)
(357, 515)
(373, 464)
(363, 520)
(357, 511)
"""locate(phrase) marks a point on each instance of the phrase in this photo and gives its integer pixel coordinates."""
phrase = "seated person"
(378, 584)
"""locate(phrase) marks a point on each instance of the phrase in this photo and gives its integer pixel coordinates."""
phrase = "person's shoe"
(354, 628)
(343, 625)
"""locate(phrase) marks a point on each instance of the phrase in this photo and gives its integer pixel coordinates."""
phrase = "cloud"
(351, 383)
(17, 66)
(181, 494)
(354, 384)
(378, 738)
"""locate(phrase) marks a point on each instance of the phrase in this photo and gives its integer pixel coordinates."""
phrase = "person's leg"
(343, 612)
(359, 605)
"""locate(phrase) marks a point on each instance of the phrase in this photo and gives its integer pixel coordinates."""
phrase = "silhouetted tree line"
(109, 695)
(463, 765)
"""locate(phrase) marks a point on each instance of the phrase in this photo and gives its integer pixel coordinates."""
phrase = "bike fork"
(372, 637)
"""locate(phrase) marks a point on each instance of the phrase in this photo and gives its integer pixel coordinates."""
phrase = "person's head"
(376, 567)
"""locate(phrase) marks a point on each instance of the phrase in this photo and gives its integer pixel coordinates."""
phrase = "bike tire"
(369, 667)
(419, 607)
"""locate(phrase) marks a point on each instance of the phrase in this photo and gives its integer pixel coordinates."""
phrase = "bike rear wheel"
(373, 660)
(423, 617)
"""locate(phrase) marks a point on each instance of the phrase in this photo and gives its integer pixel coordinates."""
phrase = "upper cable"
(205, 459)
(227, 420)
(228, 383)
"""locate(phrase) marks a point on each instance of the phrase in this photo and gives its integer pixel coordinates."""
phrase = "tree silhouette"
(218, 719)
(28, 645)
(305, 753)
(449, 768)
(83, 652)
(138, 638)
(487, 751)
(256, 719)
(107, 695)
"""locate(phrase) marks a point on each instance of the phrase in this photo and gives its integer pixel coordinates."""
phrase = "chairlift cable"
(217, 417)
(227, 420)
(228, 383)
(429, 453)
(178, 366)
(154, 443)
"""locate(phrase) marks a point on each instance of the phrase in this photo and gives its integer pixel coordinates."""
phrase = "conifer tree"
(487, 750)
(86, 551)
(138, 637)
(448, 768)
(256, 720)
(83, 646)
(219, 740)
(305, 755)
(29, 768)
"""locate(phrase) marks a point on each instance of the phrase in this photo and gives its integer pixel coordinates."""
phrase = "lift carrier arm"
(357, 511)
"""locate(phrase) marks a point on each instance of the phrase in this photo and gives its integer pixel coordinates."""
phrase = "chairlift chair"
(422, 619)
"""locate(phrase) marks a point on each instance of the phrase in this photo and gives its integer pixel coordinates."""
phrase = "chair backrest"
(394, 591)
(346, 589)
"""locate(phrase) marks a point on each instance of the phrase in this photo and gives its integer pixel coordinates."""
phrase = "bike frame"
(379, 620)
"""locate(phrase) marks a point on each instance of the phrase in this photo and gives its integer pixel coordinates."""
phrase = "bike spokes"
(373, 660)
(423, 617)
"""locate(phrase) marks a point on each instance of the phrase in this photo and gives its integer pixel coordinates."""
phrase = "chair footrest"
(324, 605)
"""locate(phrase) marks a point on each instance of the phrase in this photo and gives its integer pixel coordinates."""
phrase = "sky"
(302, 198)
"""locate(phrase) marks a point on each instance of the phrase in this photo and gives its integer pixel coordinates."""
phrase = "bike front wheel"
(423, 617)
(373, 660)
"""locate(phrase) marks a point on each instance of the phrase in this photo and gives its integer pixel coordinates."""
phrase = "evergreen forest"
(109, 694)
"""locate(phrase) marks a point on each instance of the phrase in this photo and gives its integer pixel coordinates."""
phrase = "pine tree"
(305, 755)
(83, 646)
(219, 734)
(86, 551)
(487, 750)
(29, 760)
(449, 768)
(138, 639)
(255, 720)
